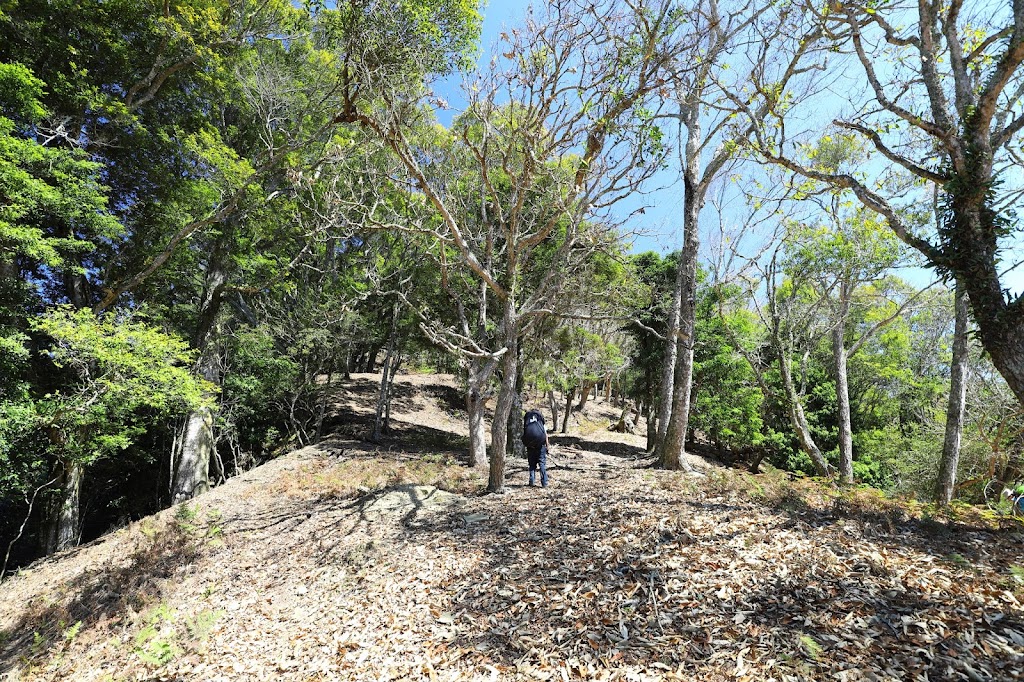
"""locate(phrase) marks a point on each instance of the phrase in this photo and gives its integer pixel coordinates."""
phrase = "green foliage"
(20, 445)
(728, 403)
(176, 142)
(262, 377)
(121, 370)
(425, 36)
(50, 195)
(584, 356)
(185, 516)
(72, 632)
(200, 626)
(156, 643)
(810, 647)
(655, 276)
(189, 525)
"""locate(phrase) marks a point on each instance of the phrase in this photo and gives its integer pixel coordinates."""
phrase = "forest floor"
(355, 561)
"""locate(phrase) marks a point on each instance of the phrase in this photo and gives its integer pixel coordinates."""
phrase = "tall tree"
(943, 107)
(120, 369)
(53, 208)
(558, 131)
(720, 35)
(838, 259)
(646, 360)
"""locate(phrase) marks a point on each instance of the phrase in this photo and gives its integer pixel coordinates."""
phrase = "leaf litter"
(614, 572)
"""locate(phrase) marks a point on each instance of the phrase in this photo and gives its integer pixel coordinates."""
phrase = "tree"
(729, 405)
(946, 111)
(51, 204)
(557, 131)
(708, 126)
(838, 260)
(122, 369)
(793, 321)
(646, 358)
(584, 357)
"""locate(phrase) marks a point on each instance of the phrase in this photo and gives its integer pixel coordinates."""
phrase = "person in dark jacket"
(535, 438)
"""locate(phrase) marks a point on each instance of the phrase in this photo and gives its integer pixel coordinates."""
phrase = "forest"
(212, 212)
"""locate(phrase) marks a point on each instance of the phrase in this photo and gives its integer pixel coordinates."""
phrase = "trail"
(615, 571)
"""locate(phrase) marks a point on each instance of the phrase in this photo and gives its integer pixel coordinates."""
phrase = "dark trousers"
(538, 457)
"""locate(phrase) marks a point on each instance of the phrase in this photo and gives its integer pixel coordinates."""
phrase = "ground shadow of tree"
(404, 440)
(404, 397)
(102, 594)
(615, 449)
(885, 519)
(558, 583)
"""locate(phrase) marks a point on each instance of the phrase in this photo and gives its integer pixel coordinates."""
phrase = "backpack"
(535, 433)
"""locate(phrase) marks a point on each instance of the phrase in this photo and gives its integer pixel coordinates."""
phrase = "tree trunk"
(666, 392)
(198, 444)
(476, 402)
(670, 451)
(192, 469)
(396, 364)
(799, 419)
(370, 365)
(553, 403)
(386, 375)
(515, 418)
(671, 446)
(503, 408)
(652, 431)
(843, 390)
(192, 465)
(955, 407)
(570, 393)
(625, 423)
(61, 513)
(323, 400)
(585, 394)
(974, 258)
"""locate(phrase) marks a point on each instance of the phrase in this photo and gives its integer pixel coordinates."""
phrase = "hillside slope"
(345, 562)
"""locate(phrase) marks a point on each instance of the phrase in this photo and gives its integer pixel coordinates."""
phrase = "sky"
(659, 227)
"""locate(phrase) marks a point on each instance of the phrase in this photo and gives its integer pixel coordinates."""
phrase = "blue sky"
(658, 228)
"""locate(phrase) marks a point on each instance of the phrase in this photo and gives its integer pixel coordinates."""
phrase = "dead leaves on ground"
(592, 583)
(611, 574)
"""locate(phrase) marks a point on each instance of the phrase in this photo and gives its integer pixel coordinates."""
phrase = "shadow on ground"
(591, 579)
(108, 593)
(609, 448)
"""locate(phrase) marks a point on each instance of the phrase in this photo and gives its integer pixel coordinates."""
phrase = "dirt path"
(614, 571)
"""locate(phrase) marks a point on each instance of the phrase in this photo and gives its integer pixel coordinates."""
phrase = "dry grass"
(354, 477)
(779, 490)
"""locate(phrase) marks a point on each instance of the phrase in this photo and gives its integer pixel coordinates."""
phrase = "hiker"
(535, 438)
